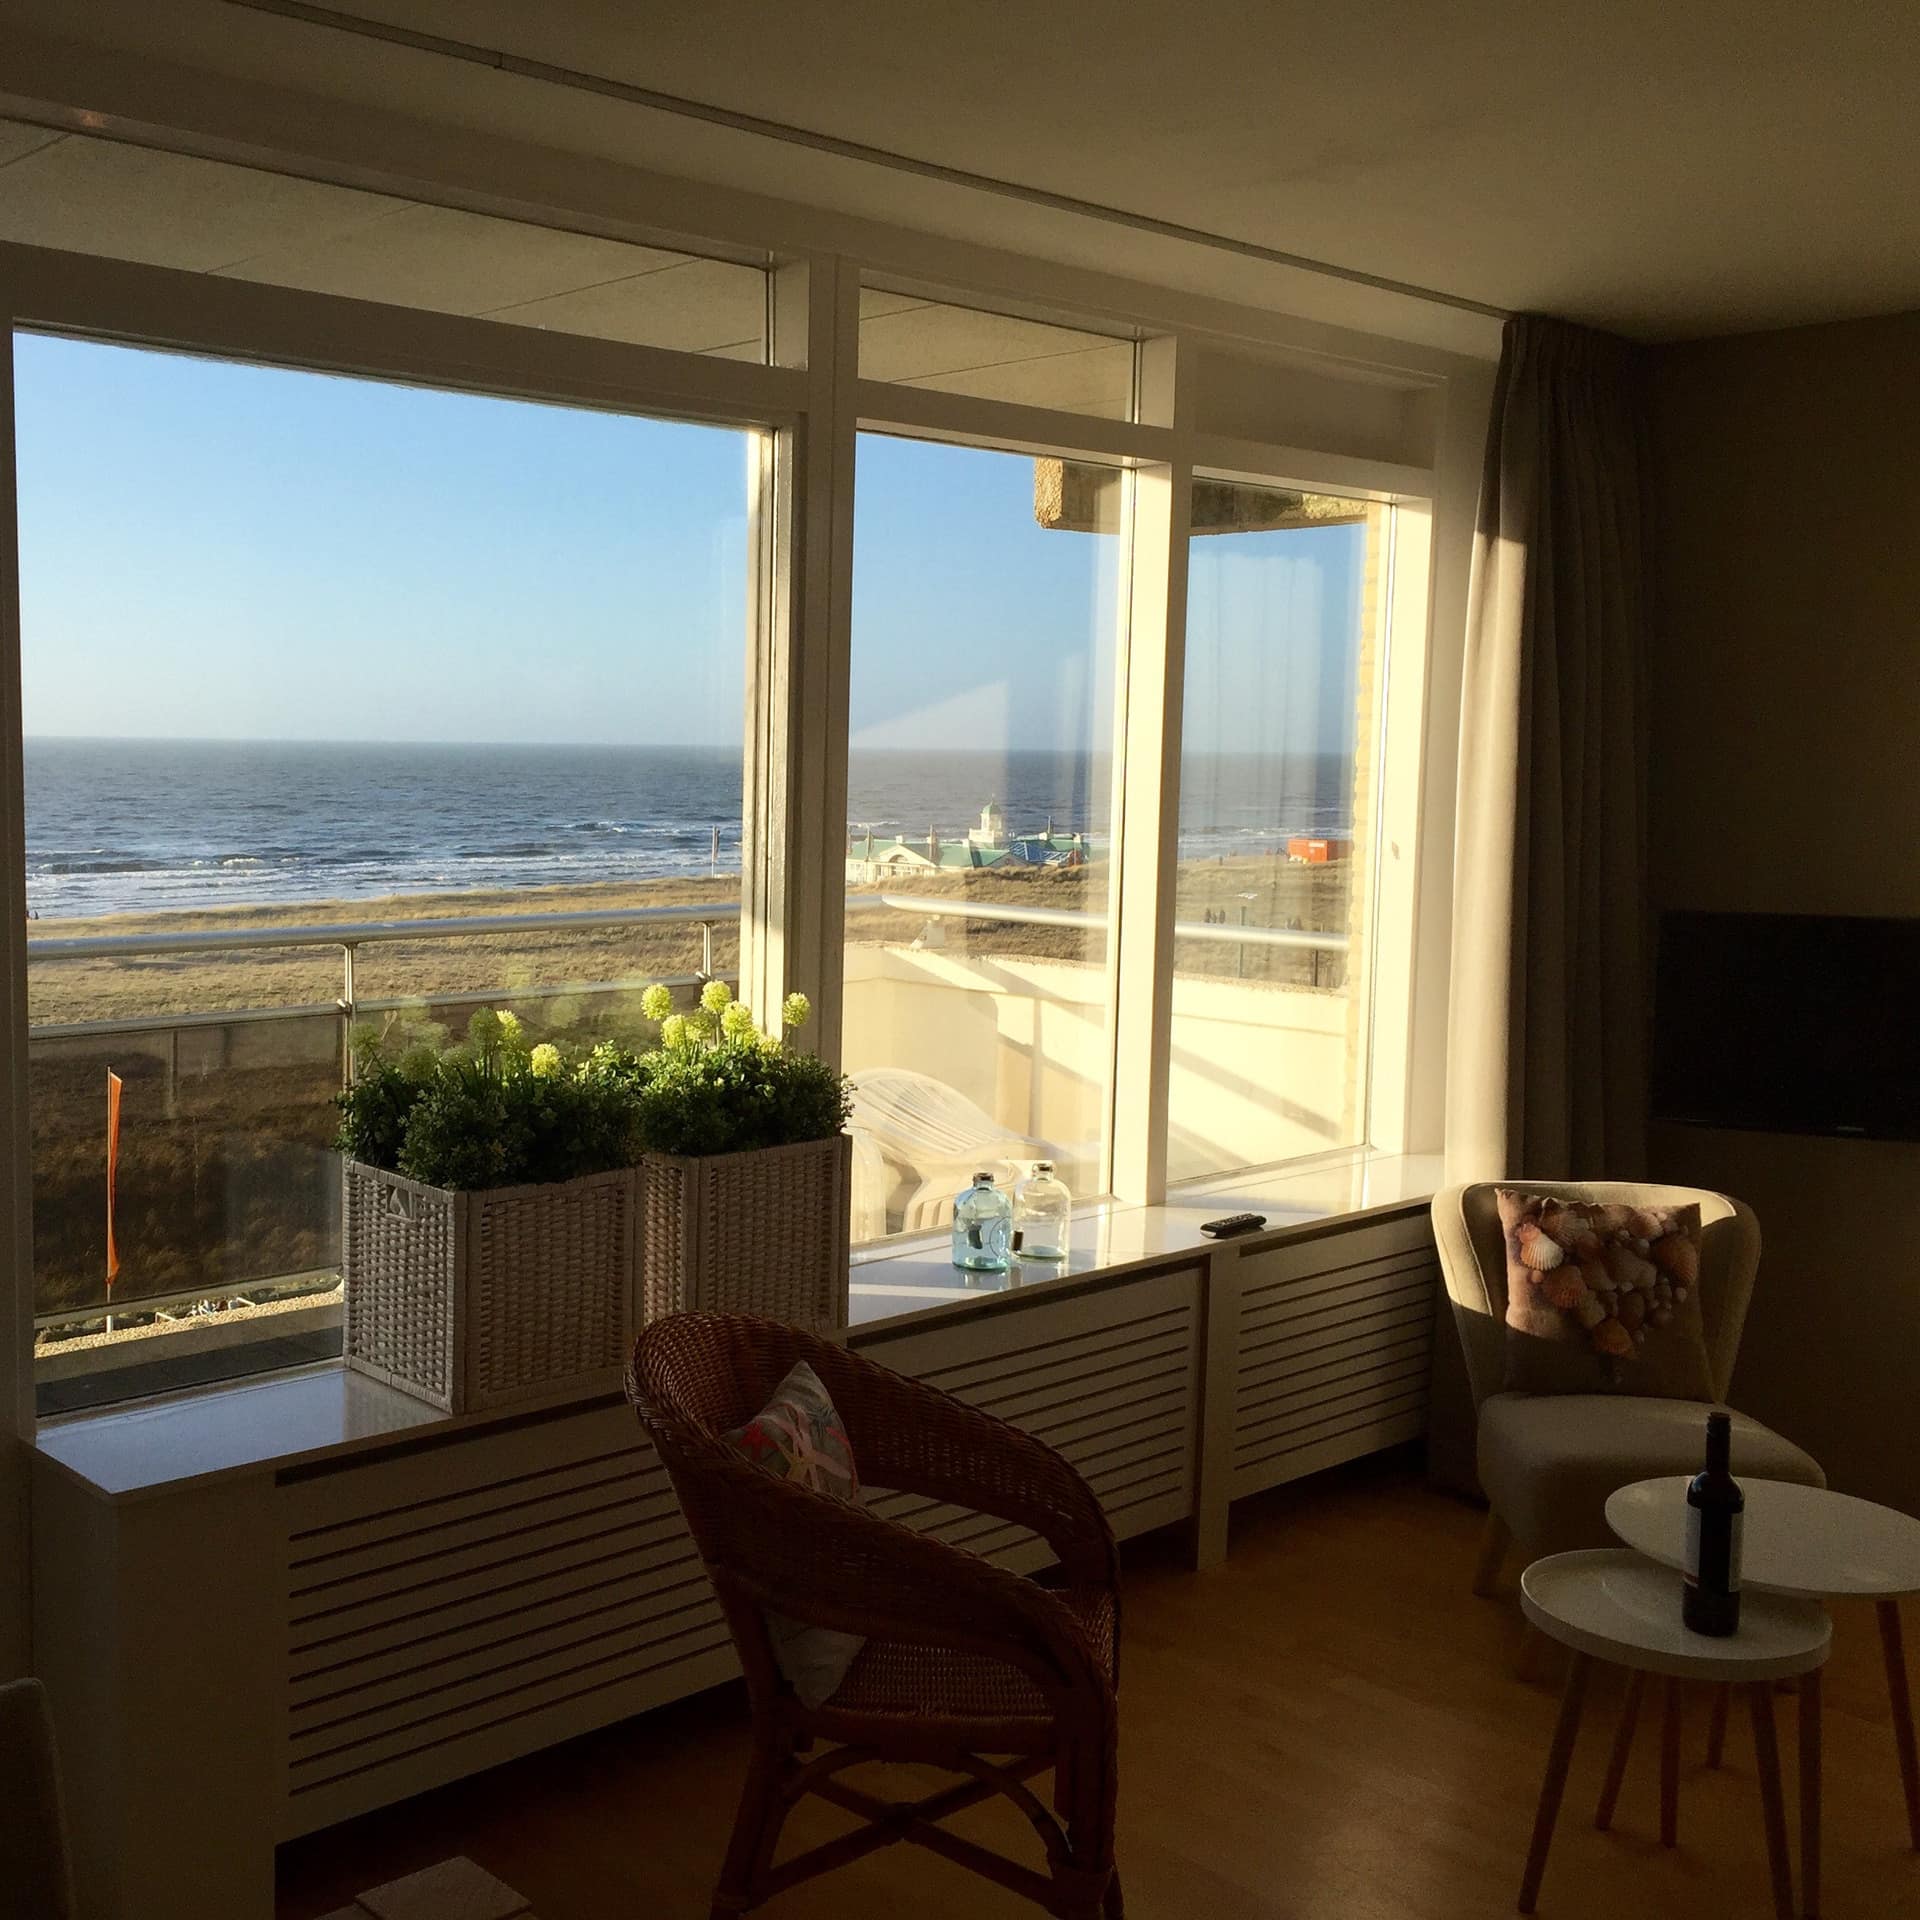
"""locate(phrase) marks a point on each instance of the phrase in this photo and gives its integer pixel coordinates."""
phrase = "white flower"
(716, 996)
(674, 1030)
(544, 1062)
(795, 1010)
(657, 1002)
(737, 1022)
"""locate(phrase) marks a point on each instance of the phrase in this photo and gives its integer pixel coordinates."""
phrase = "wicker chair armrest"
(842, 1567)
(913, 1438)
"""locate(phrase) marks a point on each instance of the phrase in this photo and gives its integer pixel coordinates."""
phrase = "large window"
(979, 869)
(394, 643)
(303, 654)
(1286, 604)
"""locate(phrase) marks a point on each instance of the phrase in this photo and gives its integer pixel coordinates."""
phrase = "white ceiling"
(1661, 168)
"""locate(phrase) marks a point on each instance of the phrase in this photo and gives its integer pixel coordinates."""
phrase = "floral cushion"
(1603, 1299)
(799, 1436)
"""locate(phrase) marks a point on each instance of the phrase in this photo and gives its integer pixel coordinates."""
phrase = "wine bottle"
(1710, 1600)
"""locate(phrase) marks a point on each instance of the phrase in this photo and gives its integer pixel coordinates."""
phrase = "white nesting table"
(1807, 1544)
(1615, 1606)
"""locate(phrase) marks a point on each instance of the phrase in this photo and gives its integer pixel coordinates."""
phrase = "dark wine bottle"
(1710, 1600)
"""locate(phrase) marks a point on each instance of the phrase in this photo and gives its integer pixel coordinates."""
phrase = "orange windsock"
(113, 1167)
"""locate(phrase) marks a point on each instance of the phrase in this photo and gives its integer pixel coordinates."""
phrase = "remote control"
(1232, 1223)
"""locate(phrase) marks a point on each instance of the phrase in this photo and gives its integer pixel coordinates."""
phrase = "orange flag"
(113, 1168)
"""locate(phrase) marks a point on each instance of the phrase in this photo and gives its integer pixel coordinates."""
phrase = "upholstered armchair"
(967, 1667)
(1547, 1462)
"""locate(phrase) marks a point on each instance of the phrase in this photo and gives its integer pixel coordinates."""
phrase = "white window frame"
(811, 403)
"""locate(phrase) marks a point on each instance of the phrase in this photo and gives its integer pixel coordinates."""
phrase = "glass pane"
(89, 195)
(978, 876)
(1285, 636)
(301, 653)
(993, 356)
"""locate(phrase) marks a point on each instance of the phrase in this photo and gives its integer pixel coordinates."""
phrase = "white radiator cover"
(1332, 1351)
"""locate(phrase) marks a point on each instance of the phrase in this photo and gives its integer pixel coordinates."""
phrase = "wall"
(1786, 778)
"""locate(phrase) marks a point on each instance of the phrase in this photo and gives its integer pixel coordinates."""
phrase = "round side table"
(1613, 1605)
(1807, 1544)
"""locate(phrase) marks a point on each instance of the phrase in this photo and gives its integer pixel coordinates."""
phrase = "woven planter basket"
(762, 1232)
(478, 1300)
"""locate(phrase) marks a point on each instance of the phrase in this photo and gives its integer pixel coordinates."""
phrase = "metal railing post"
(706, 949)
(349, 1002)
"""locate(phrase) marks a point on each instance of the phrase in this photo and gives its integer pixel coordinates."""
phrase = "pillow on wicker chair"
(798, 1435)
(1603, 1299)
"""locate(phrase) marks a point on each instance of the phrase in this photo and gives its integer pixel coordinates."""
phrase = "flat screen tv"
(1789, 1023)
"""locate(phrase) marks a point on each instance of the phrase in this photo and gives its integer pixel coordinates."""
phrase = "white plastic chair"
(933, 1140)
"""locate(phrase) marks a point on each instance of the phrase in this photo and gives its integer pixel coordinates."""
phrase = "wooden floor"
(1327, 1725)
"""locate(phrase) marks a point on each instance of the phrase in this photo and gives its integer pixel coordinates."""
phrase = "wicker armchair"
(963, 1659)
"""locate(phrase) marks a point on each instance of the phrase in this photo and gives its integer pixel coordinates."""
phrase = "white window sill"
(326, 1412)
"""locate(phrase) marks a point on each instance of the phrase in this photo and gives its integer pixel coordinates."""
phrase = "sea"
(119, 826)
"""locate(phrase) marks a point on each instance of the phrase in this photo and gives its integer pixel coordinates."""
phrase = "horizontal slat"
(1003, 1338)
(1352, 1296)
(1044, 1410)
(1113, 1412)
(1069, 1355)
(1329, 1417)
(1284, 1373)
(1371, 1381)
(323, 1802)
(441, 1543)
(431, 1629)
(454, 1685)
(1254, 1299)
(421, 1643)
(1304, 1317)
(435, 1729)
(1409, 1237)
(314, 1501)
(663, 1540)
(1332, 1449)
(613, 1516)
(519, 1494)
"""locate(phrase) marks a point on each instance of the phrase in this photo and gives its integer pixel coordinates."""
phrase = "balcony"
(967, 1041)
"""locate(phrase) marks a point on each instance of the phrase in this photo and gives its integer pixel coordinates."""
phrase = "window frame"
(810, 403)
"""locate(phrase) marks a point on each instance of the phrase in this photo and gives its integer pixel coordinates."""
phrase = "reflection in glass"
(1278, 761)
(979, 795)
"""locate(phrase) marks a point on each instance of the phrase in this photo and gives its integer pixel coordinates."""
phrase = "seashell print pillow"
(1603, 1299)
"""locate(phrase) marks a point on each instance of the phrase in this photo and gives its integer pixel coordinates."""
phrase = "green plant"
(496, 1111)
(493, 1112)
(720, 1085)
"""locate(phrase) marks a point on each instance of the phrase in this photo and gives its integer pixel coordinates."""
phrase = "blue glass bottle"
(982, 1227)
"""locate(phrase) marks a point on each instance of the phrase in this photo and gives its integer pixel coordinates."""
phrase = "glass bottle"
(1042, 1215)
(1710, 1595)
(982, 1227)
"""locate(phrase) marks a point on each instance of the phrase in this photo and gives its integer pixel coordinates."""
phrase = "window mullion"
(1148, 813)
(793, 885)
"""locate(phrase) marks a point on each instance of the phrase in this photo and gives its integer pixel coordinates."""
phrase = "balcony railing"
(348, 938)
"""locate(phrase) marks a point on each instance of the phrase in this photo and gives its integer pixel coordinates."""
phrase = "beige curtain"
(1546, 1053)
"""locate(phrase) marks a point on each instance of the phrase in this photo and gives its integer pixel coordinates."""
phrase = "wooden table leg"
(1810, 1784)
(1717, 1727)
(1622, 1748)
(1892, 1645)
(1553, 1787)
(1670, 1765)
(1773, 1808)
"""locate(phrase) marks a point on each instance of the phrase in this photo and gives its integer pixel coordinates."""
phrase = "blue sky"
(220, 551)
